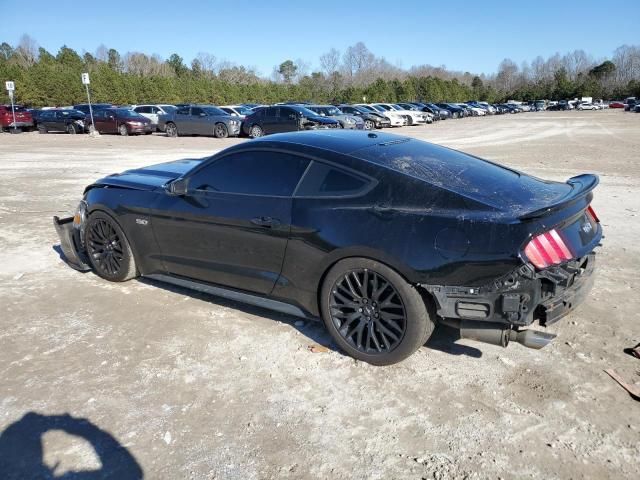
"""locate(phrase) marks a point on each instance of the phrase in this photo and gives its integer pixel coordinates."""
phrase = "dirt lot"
(181, 385)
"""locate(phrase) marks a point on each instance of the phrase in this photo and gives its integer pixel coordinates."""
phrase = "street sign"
(9, 85)
(85, 79)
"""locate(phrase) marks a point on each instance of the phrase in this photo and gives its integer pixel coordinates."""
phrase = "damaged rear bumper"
(70, 243)
(515, 300)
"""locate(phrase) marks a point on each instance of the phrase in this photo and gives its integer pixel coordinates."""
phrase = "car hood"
(320, 119)
(151, 177)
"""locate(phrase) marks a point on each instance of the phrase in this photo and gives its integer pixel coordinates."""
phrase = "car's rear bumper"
(521, 297)
(19, 124)
(70, 243)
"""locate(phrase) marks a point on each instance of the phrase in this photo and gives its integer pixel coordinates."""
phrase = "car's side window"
(196, 111)
(183, 111)
(271, 112)
(255, 172)
(322, 180)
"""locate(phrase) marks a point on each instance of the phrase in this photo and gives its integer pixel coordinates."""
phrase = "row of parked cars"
(256, 120)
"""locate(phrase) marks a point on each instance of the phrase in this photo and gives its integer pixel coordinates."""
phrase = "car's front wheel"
(220, 131)
(171, 130)
(369, 125)
(71, 130)
(373, 313)
(108, 248)
(122, 130)
(256, 131)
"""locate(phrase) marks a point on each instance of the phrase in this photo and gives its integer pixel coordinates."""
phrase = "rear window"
(323, 180)
(461, 173)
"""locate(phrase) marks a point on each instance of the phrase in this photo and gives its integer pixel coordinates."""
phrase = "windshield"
(304, 111)
(378, 108)
(382, 108)
(243, 110)
(398, 107)
(126, 113)
(169, 108)
(214, 111)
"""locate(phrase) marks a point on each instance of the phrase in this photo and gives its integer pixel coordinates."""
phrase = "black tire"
(369, 125)
(42, 129)
(108, 249)
(71, 130)
(171, 130)
(123, 130)
(220, 130)
(389, 311)
(256, 131)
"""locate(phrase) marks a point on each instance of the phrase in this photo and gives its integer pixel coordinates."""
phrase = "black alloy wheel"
(368, 312)
(71, 129)
(373, 313)
(108, 249)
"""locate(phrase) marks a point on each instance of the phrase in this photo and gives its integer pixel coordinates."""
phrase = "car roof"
(339, 141)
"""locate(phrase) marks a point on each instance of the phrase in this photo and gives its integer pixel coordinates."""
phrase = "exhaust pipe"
(499, 333)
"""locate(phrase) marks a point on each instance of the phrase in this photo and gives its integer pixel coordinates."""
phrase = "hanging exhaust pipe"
(499, 333)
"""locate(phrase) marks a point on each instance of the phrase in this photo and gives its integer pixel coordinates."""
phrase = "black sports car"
(380, 235)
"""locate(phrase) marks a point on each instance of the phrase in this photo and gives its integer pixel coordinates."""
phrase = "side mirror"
(178, 187)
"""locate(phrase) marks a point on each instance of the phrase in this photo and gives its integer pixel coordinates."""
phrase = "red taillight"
(591, 212)
(547, 249)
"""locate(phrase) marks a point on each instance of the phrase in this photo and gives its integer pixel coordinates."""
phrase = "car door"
(287, 120)
(183, 120)
(197, 121)
(60, 121)
(232, 226)
(102, 123)
(269, 119)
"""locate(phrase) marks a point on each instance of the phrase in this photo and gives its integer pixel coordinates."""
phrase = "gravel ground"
(164, 383)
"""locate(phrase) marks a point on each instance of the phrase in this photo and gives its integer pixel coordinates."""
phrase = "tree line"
(354, 75)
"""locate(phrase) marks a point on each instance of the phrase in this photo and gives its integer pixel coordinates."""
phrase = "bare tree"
(208, 62)
(102, 53)
(507, 75)
(27, 51)
(330, 62)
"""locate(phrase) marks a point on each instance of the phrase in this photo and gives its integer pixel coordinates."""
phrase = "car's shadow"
(22, 450)
(311, 327)
(443, 338)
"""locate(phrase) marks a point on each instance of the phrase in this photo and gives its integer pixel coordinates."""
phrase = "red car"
(616, 104)
(23, 117)
(120, 120)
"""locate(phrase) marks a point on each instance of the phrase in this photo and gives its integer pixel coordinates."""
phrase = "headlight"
(350, 120)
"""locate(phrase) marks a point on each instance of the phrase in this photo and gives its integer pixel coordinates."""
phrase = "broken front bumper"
(521, 297)
(70, 243)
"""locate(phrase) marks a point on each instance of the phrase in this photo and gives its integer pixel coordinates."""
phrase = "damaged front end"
(497, 312)
(71, 234)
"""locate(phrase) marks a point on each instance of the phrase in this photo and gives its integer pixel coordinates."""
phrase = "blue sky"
(463, 35)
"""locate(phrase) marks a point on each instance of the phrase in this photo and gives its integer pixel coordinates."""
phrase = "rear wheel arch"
(394, 265)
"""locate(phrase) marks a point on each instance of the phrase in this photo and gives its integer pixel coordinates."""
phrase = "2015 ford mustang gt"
(380, 235)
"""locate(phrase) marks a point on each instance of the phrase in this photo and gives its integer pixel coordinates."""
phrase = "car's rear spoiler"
(581, 186)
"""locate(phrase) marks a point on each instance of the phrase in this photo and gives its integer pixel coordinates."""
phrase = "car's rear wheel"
(71, 130)
(108, 248)
(369, 125)
(256, 131)
(220, 131)
(373, 313)
(122, 130)
(171, 130)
